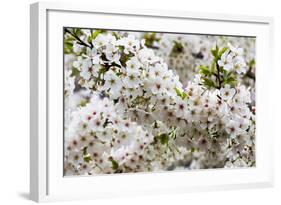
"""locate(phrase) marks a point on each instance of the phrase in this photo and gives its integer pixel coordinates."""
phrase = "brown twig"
(78, 39)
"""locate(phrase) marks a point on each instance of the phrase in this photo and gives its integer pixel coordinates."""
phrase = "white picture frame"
(46, 157)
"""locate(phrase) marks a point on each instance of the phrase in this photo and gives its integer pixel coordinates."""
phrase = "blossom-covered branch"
(137, 115)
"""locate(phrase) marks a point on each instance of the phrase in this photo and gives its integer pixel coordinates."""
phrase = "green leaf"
(83, 103)
(184, 95)
(172, 133)
(177, 48)
(231, 81)
(180, 93)
(164, 138)
(215, 51)
(150, 38)
(204, 70)
(226, 73)
(252, 63)
(222, 51)
(95, 34)
(115, 165)
(116, 35)
(89, 39)
(74, 72)
(213, 66)
(77, 31)
(124, 58)
(87, 158)
(208, 82)
(68, 45)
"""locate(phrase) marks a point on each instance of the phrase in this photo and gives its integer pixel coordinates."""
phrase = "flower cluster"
(184, 53)
(128, 111)
(101, 140)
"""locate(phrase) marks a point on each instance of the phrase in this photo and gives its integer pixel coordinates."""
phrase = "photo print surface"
(150, 101)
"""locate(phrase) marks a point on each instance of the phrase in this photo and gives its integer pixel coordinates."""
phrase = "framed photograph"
(127, 102)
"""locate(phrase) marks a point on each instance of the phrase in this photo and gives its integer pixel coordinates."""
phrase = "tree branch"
(78, 39)
(218, 74)
(251, 75)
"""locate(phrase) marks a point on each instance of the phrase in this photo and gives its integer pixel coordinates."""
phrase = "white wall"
(14, 100)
